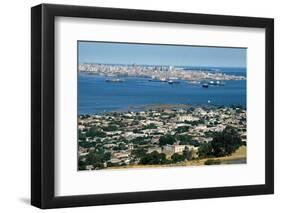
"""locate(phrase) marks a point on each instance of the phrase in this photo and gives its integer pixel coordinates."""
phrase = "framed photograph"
(136, 106)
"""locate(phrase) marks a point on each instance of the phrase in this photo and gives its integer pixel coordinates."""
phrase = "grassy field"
(239, 155)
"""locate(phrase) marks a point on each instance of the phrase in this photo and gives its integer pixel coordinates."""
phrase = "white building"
(179, 148)
(157, 149)
(171, 149)
(187, 118)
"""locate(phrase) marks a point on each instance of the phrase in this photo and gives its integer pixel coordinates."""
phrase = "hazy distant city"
(158, 72)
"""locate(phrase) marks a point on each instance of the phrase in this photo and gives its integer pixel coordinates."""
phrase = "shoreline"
(159, 107)
(155, 72)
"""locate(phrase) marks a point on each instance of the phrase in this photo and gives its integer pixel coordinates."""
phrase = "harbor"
(130, 93)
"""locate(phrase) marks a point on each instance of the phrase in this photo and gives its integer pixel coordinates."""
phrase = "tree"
(182, 129)
(140, 152)
(212, 162)
(81, 135)
(140, 140)
(82, 164)
(223, 143)
(98, 165)
(177, 158)
(167, 139)
(150, 126)
(187, 140)
(153, 158)
(97, 159)
(187, 153)
(226, 142)
(110, 128)
(122, 146)
(107, 156)
(136, 131)
(85, 144)
(95, 132)
(184, 138)
(205, 150)
(135, 122)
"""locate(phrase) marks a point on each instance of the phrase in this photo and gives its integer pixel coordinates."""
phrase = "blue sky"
(125, 53)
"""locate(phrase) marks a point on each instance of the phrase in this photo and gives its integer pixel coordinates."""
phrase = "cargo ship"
(114, 80)
(205, 85)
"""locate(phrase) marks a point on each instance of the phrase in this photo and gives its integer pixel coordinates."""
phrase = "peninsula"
(157, 72)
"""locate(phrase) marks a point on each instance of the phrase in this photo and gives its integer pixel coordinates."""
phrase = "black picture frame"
(43, 102)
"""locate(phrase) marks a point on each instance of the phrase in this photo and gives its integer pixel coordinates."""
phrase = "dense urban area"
(160, 136)
(161, 73)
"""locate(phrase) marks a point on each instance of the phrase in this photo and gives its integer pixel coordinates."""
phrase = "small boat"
(173, 82)
(205, 85)
(114, 80)
(216, 83)
(154, 79)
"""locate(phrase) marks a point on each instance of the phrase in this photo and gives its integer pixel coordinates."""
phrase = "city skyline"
(158, 54)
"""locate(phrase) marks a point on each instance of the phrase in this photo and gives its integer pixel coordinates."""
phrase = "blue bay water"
(95, 95)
